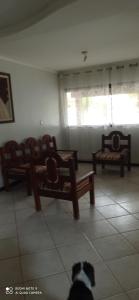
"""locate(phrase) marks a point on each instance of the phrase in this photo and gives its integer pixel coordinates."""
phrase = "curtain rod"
(117, 66)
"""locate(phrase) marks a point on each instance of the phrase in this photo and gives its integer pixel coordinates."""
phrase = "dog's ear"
(75, 270)
(89, 270)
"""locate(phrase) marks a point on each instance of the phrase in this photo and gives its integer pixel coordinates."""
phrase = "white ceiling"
(107, 29)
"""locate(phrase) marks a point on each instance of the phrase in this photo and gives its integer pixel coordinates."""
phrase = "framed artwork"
(6, 101)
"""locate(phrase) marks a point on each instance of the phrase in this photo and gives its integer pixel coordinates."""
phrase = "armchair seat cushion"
(40, 169)
(79, 185)
(16, 171)
(65, 155)
(67, 186)
(108, 155)
(25, 166)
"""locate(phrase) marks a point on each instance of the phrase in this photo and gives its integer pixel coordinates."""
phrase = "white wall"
(35, 98)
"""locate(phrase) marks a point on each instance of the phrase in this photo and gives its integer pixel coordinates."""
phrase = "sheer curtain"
(96, 97)
(125, 94)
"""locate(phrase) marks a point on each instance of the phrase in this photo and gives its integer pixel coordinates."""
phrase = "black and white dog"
(83, 278)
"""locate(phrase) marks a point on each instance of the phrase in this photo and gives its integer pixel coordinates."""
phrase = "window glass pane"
(83, 110)
(125, 109)
(71, 110)
(95, 110)
(88, 110)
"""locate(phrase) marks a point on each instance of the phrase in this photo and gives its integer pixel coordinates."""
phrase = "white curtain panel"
(124, 78)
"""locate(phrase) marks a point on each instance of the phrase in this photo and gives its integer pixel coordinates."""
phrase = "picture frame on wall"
(6, 100)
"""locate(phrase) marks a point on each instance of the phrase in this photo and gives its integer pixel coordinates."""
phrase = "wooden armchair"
(33, 154)
(32, 150)
(116, 150)
(48, 143)
(59, 181)
(14, 166)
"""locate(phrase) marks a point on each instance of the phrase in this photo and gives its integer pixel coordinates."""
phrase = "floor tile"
(8, 248)
(132, 207)
(98, 229)
(67, 236)
(106, 234)
(8, 231)
(106, 284)
(11, 295)
(10, 272)
(53, 220)
(90, 215)
(103, 200)
(53, 206)
(125, 223)
(133, 294)
(35, 243)
(22, 201)
(52, 287)
(6, 208)
(7, 218)
(126, 270)
(6, 197)
(118, 297)
(133, 238)
(126, 197)
(78, 252)
(23, 215)
(33, 225)
(111, 211)
(114, 246)
(41, 264)
(136, 216)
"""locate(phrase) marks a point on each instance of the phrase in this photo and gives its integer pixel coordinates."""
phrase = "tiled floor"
(38, 249)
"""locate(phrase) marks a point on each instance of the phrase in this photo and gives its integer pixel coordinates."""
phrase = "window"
(102, 110)
(125, 109)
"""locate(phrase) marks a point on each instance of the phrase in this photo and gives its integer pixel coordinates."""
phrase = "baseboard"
(2, 188)
(89, 161)
(84, 161)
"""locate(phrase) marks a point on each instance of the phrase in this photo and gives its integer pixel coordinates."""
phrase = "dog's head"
(88, 270)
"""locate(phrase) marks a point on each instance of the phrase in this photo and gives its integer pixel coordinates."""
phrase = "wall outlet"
(42, 123)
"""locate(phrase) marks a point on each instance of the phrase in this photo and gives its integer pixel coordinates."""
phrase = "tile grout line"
(105, 263)
(20, 263)
(65, 271)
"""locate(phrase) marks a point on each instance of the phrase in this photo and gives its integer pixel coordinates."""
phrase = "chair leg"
(35, 192)
(129, 166)
(37, 201)
(94, 164)
(103, 165)
(76, 160)
(6, 182)
(122, 169)
(29, 184)
(92, 194)
(75, 205)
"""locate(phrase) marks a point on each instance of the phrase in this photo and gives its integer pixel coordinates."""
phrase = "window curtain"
(123, 77)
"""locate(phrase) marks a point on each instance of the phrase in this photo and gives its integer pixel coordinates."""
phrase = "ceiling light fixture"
(84, 53)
